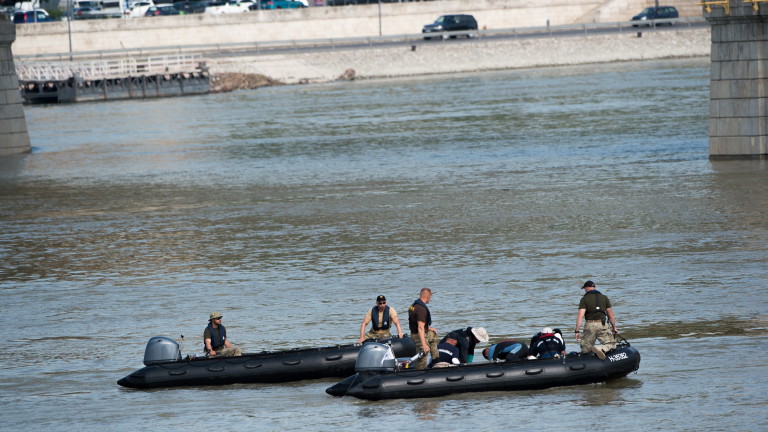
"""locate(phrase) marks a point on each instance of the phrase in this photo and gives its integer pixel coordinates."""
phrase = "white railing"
(106, 69)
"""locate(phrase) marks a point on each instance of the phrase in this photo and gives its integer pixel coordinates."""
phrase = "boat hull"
(265, 367)
(503, 376)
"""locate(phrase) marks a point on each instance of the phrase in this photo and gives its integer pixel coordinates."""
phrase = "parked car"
(191, 7)
(661, 14)
(226, 7)
(164, 9)
(277, 4)
(448, 23)
(37, 15)
(138, 9)
(82, 13)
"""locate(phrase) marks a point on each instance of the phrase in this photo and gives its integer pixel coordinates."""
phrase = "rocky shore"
(436, 57)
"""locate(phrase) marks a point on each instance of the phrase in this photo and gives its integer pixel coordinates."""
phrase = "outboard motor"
(375, 357)
(161, 349)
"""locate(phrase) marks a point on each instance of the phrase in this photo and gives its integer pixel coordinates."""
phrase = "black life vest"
(384, 325)
(595, 310)
(429, 315)
(547, 345)
(217, 337)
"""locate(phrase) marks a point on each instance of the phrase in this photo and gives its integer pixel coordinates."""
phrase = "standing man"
(419, 322)
(596, 308)
(383, 317)
(215, 337)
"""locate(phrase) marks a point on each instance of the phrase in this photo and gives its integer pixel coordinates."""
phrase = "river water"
(290, 208)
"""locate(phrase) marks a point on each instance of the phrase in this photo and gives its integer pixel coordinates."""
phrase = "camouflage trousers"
(229, 352)
(594, 331)
(431, 338)
(378, 334)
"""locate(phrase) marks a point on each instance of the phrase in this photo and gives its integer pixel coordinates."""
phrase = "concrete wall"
(312, 23)
(739, 81)
(13, 126)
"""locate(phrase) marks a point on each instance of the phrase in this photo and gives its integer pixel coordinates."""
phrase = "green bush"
(55, 13)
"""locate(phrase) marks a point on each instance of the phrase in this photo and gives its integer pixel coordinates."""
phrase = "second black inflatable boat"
(166, 368)
(378, 377)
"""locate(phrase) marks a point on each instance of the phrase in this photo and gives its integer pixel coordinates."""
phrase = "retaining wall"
(317, 23)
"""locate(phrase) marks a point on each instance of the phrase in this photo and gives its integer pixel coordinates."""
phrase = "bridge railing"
(106, 68)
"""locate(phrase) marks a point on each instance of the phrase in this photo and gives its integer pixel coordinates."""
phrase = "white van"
(96, 5)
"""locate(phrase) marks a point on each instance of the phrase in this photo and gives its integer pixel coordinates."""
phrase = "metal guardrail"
(106, 69)
(266, 46)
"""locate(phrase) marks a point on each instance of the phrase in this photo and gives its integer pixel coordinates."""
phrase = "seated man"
(509, 350)
(466, 340)
(548, 343)
(215, 338)
(449, 354)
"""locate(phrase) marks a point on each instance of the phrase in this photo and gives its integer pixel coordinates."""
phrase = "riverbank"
(437, 57)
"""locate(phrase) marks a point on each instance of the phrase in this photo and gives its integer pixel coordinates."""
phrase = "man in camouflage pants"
(596, 308)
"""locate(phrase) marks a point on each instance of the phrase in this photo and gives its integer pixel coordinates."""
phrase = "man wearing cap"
(422, 334)
(382, 317)
(467, 339)
(215, 337)
(596, 309)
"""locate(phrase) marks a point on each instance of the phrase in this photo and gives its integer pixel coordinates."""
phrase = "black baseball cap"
(588, 283)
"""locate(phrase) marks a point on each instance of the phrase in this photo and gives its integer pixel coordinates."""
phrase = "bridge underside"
(75, 89)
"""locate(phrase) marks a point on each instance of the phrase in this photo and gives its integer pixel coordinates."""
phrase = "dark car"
(276, 4)
(191, 7)
(83, 12)
(37, 15)
(162, 10)
(659, 14)
(449, 23)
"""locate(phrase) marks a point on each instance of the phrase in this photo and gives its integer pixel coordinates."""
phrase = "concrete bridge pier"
(14, 137)
(738, 113)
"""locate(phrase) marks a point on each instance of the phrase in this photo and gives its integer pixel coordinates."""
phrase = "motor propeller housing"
(161, 349)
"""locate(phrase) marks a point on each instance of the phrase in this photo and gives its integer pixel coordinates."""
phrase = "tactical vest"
(596, 303)
(548, 345)
(384, 325)
(217, 337)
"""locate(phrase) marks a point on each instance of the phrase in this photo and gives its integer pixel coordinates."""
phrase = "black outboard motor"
(161, 349)
(375, 357)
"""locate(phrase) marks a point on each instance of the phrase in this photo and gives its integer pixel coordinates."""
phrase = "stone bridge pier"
(738, 110)
(14, 137)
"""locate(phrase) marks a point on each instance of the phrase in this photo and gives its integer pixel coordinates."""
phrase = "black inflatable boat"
(382, 379)
(166, 368)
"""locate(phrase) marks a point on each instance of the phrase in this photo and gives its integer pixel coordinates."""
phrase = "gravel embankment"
(466, 56)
